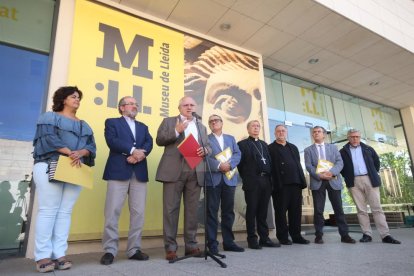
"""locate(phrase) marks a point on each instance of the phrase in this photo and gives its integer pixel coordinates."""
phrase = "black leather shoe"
(213, 250)
(389, 239)
(233, 247)
(301, 240)
(253, 245)
(140, 256)
(318, 240)
(285, 242)
(269, 243)
(365, 238)
(347, 239)
(107, 259)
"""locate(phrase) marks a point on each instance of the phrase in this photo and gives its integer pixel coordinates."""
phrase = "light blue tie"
(321, 153)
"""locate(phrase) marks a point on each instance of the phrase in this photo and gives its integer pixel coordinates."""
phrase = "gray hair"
(182, 99)
(122, 102)
(215, 115)
(253, 121)
(323, 129)
(284, 126)
(352, 130)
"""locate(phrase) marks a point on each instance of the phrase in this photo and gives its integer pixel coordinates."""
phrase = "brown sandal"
(45, 267)
(62, 264)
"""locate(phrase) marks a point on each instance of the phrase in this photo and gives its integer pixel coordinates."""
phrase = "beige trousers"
(116, 194)
(364, 194)
(187, 188)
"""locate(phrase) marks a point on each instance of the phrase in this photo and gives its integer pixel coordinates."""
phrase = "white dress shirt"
(131, 124)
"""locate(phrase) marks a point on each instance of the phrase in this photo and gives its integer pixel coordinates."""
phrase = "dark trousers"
(288, 199)
(257, 201)
(319, 197)
(223, 194)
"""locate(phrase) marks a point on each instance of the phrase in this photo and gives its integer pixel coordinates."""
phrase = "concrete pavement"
(331, 258)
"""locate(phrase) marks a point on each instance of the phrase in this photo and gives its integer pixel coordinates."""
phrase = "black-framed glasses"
(132, 104)
(214, 121)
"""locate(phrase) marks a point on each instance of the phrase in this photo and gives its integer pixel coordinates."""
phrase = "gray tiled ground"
(331, 258)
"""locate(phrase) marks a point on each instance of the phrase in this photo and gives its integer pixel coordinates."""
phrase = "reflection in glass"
(304, 104)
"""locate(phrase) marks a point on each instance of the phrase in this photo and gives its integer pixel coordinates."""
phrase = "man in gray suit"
(179, 179)
(324, 179)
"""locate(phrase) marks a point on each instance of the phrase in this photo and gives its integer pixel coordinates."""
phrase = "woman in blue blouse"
(58, 133)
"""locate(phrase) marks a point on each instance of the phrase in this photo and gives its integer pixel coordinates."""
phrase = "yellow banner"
(115, 55)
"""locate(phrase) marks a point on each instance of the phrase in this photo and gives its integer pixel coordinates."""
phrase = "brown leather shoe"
(171, 255)
(347, 239)
(194, 251)
(318, 240)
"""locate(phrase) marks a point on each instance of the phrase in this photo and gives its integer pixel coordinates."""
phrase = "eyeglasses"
(214, 121)
(131, 104)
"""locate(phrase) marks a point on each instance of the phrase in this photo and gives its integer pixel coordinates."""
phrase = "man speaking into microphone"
(195, 115)
(179, 179)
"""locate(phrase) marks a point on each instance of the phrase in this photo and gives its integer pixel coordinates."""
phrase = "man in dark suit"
(179, 179)
(361, 167)
(126, 171)
(221, 186)
(324, 164)
(288, 181)
(255, 169)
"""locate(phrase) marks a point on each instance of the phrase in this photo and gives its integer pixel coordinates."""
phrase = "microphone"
(195, 115)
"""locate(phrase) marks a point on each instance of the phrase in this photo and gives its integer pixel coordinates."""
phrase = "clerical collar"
(254, 139)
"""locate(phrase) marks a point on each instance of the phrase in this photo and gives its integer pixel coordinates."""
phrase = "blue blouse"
(55, 131)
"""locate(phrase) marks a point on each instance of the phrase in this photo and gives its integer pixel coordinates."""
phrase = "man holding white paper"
(324, 164)
(179, 179)
(221, 186)
(126, 172)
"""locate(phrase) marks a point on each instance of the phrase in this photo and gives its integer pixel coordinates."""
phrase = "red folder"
(188, 148)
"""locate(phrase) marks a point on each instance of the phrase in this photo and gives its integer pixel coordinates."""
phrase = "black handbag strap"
(80, 134)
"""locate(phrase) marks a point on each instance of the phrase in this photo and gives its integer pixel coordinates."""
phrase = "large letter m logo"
(140, 46)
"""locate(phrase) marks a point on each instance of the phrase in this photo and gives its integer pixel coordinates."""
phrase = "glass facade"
(301, 105)
(26, 28)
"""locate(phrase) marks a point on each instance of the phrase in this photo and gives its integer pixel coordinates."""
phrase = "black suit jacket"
(277, 165)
